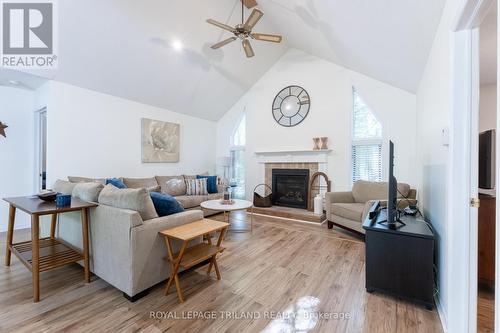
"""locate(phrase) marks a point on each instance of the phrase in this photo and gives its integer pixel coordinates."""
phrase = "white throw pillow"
(175, 187)
(196, 186)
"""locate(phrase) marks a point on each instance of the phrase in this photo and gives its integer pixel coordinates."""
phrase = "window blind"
(367, 162)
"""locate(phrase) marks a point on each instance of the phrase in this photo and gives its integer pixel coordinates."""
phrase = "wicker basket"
(262, 201)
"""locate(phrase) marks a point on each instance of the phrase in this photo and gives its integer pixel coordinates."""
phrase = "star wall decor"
(2, 129)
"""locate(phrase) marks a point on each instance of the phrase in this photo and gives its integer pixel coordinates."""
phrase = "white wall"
(330, 90)
(16, 151)
(488, 107)
(97, 135)
(434, 107)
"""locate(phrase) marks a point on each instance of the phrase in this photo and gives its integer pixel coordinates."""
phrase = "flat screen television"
(392, 204)
(392, 213)
(486, 152)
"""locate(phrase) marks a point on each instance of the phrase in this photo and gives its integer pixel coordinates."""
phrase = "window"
(237, 155)
(366, 154)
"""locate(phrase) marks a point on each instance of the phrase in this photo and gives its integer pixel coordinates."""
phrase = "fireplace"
(290, 187)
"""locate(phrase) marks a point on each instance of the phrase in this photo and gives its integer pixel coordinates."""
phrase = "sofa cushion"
(174, 186)
(87, 191)
(137, 199)
(165, 204)
(140, 182)
(63, 186)
(211, 183)
(351, 211)
(363, 191)
(214, 196)
(190, 201)
(73, 179)
(117, 182)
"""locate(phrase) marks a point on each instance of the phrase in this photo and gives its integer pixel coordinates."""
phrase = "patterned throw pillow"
(196, 186)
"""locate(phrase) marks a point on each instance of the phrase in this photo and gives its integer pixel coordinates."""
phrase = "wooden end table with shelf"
(43, 254)
(188, 257)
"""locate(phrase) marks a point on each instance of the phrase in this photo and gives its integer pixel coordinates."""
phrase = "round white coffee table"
(227, 209)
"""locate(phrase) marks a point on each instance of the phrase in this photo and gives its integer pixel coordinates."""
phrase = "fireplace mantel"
(293, 156)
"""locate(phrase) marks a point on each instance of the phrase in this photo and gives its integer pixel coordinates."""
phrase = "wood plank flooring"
(485, 310)
(285, 277)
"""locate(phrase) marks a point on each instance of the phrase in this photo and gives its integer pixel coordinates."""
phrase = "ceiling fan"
(243, 31)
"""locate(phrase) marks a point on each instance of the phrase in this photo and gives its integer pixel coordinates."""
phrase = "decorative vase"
(318, 204)
(317, 144)
(324, 142)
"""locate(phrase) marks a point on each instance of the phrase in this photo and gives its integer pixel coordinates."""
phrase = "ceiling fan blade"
(249, 3)
(221, 25)
(267, 37)
(248, 48)
(224, 42)
(252, 20)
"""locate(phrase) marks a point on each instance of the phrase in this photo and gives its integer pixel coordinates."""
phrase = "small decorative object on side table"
(43, 254)
(187, 258)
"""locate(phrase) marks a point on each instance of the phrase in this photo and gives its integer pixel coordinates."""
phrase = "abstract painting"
(160, 141)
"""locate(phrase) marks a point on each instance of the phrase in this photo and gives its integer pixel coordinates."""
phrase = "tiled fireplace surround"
(313, 160)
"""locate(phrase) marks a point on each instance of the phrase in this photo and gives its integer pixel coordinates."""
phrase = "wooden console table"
(39, 255)
(187, 258)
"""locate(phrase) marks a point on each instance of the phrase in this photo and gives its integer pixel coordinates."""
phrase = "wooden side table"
(187, 258)
(39, 255)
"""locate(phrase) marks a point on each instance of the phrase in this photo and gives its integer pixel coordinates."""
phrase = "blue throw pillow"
(211, 183)
(116, 182)
(165, 204)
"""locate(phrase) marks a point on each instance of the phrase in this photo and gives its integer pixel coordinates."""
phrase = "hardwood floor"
(285, 277)
(485, 310)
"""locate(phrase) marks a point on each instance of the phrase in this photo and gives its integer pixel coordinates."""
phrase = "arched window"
(366, 153)
(237, 154)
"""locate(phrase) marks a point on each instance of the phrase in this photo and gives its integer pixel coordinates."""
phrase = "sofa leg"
(136, 297)
(330, 225)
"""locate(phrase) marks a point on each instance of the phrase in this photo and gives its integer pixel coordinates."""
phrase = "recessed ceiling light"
(177, 45)
(14, 82)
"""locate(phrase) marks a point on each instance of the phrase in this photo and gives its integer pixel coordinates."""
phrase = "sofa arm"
(166, 222)
(336, 197)
(401, 204)
(369, 205)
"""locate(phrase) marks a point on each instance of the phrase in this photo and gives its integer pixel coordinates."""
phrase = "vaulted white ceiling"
(488, 47)
(389, 40)
(124, 47)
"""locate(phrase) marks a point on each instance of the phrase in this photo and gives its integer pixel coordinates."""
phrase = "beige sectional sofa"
(187, 201)
(125, 250)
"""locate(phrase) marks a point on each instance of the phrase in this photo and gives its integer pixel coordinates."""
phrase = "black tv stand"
(382, 219)
(394, 225)
(399, 261)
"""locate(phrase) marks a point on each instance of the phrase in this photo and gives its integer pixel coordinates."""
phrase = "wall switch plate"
(445, 136)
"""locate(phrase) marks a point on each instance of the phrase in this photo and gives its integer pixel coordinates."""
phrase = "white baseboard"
(288, 219)
(441, 314)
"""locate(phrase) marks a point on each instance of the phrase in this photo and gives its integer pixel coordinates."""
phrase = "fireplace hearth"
(290, 187)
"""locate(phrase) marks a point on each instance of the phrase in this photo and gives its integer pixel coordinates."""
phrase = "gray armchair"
(348, 210)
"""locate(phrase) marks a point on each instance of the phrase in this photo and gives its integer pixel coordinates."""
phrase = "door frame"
(37, 147)
(462, 226)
